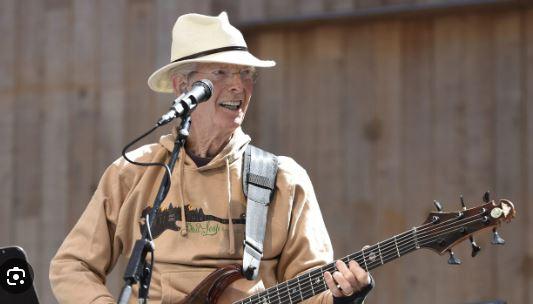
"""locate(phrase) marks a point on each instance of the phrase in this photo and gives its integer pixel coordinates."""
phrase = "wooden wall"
(386, 114)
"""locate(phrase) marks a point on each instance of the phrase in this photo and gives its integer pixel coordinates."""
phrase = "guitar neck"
(312, 283)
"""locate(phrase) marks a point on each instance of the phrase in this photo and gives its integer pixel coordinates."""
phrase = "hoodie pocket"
(176, 285)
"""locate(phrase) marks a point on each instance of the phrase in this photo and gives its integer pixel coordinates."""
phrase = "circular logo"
(496, 213)
(16, 276)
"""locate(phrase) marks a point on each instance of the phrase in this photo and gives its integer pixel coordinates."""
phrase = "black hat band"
(212, 51)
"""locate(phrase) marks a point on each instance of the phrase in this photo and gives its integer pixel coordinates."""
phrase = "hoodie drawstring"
(231, 232)
(181, 185)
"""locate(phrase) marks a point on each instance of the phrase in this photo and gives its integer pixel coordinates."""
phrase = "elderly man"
(201, 225)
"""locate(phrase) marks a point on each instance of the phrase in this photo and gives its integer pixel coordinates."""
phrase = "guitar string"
(308, 292)
(307, 289)
(406, 237)
(387, 249)
(402, 240)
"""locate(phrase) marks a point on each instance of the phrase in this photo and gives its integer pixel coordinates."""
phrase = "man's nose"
(235, 82)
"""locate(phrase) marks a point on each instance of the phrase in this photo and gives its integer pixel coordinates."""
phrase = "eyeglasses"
(248, 75)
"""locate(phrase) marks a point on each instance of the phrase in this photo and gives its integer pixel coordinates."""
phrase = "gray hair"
(184, 69)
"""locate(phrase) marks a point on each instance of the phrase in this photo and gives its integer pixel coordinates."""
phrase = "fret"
(266, 298)
(380, 255)
(289, 294)
(364, 259)
(305, 286)
(277, 293)
(372, 255)
(315, 277)
(396, 244)
(299, 288)
(284, 289)
(256, 298)
(311, 283)
(417, 245)
(293, 291)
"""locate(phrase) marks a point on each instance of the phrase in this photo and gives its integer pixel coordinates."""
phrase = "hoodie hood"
(230, 153)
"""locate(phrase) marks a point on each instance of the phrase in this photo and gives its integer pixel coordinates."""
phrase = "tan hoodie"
(193, 234)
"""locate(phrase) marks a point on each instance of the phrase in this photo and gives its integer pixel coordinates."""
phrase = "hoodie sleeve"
(308, 244)
(89, 252)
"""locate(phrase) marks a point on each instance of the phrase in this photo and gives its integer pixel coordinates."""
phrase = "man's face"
(232, 90)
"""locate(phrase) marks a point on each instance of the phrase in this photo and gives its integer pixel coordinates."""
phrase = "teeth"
(232, 105)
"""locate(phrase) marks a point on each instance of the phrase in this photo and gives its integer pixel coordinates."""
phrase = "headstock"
(443, 230)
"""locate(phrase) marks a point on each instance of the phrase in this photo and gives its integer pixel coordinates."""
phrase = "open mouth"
(231, 105)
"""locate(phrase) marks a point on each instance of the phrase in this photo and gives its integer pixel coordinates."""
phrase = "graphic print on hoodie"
(197, 221)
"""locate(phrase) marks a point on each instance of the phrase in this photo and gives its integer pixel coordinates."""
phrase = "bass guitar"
(440, 232)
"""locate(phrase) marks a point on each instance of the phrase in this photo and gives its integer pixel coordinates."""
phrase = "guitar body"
(213, 285)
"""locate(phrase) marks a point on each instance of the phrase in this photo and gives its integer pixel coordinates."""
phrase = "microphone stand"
(138, 269)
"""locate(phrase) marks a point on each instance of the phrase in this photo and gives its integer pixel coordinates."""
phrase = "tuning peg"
(496, 238)
(475, 247)
(437, 205)
(453, 260)
(486, 197)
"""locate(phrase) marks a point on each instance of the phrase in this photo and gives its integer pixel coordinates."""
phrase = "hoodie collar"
(231, 152)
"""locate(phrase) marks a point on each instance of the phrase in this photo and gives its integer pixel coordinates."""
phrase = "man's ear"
(179, 84)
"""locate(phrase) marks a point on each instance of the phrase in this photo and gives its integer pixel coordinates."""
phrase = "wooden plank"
(82, 108)
(28, 135)
(166, 14)
(298, 111)
(362, 4)
(256, 109)
(112, 32)
(265, 117)
(280, 8)
(198, 6)
(138, 65)
(449, 142)
(478, 150)
(110, 131)
(252, 10)
(329, 70)
(356, 117)
(55, 147)
(7, 96)
(309, 7)
(388, 168)
(509, 160)
(417, 136)
(339, 5)
(528, 260)
(229, 6)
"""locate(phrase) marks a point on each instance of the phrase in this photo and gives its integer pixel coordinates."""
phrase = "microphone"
(186, 102)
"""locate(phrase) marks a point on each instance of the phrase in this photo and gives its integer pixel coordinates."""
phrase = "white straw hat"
(201, 38)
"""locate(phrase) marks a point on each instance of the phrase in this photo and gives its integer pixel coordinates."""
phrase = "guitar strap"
(259, 182)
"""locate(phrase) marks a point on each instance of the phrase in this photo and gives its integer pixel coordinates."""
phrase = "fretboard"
(312, 282)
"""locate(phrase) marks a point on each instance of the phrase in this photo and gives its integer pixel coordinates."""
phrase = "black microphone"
(186, 102)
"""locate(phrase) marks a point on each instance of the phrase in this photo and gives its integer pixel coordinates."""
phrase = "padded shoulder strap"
(259, 182)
